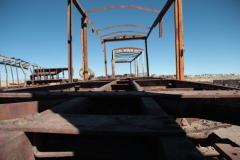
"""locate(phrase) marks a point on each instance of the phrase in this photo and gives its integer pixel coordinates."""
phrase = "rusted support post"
(161, 29)
(142, 64)
(49, 73)
(113, 64)
(17, 73)
(176, 37)
(84, 48)
(25, 75)
(105, 59)
(137, 67)
(12, 73)
(37, 73)
(179, 44)
(56, 74)
(40, 76)
(130, 68)
(32, 76)
(146, 49)
(181, 41)
(44, 73)
(70, 72)
(6, 73)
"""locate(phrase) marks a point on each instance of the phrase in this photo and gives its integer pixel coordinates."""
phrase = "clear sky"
(36, 31)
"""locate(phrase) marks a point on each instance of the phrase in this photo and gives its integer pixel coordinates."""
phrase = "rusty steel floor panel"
(117, 119)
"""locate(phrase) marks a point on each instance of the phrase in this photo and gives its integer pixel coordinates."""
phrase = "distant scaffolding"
(17, 63)
(127, 55)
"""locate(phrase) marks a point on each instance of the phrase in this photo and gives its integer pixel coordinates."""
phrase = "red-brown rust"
(122, 7)
(15, 145)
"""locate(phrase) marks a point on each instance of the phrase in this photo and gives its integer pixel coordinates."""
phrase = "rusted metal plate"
(90, 149)
(178, 148)
(18, 110)
(228, 151)
(208, 151)
(72, 106)
(126, 87)
(92, 124)
(152, 108)
(15, 146)
(160, 94)
(170, 147)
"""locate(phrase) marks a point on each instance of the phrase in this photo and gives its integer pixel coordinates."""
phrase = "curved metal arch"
(124, 38)
(123, 25)
(128, 48)
(124, 32)
(122, 6)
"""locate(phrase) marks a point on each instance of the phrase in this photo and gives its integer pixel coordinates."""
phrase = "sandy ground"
(211, 78)
(232, 133)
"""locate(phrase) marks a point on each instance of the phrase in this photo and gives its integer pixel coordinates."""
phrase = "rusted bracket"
(160, 16)
(83, 13)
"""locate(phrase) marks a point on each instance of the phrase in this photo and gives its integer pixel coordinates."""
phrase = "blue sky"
(36, 31)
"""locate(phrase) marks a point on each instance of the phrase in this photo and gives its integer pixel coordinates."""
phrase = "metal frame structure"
(124, 118)
(18, 63)
(85, 20)
(127, 55)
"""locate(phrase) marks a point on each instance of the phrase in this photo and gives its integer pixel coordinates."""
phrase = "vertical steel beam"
(12, 73)
(142, 64)
(137, 66)
(181, 42)
(37, 73)
(84, 48)
(146, 48)
(50, 73)
(161, 29)
(44, 73)
(179, 45)
(113, 64)
(17, 73)
(130, 68)
(6, 73)
(32, 71)
(70, 72)
(176, 37)
(105, 59)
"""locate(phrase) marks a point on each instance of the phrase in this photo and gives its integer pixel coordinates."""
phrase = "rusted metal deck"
(127, 118)
(114, 119)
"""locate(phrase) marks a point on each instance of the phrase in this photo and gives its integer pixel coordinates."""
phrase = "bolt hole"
(235, 154)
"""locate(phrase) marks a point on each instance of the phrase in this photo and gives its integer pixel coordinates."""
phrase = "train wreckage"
(134, 117)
